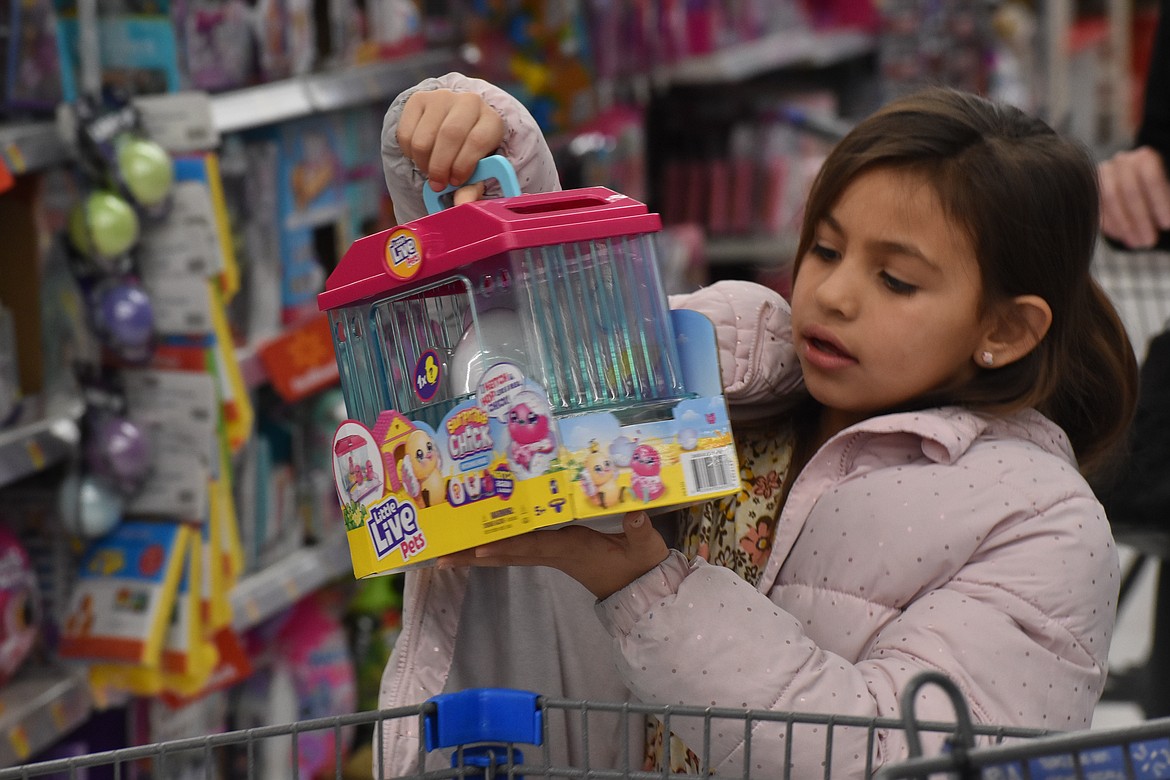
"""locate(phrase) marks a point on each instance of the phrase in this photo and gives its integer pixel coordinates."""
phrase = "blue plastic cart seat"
(499, 715)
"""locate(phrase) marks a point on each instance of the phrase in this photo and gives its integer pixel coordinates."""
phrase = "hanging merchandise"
(19, 605)
(103, 227)
(130, 179)
(127, 587)
(89, 508)
(117, 458)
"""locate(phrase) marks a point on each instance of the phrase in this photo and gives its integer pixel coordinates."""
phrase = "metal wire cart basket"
(492, 732)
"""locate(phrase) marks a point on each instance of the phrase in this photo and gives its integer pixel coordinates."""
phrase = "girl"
(925, 505)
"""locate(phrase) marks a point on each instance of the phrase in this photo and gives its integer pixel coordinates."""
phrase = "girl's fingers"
(603, 563)
(451, 133)
(445, 134)
(415, 144)
(540, 548)
(483, 138)
(470, 193)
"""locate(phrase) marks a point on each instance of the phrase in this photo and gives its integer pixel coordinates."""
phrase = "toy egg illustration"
(558, 289)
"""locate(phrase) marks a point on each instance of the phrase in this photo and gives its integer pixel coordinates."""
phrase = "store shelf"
(282, 100)
(44, 703)
(764, 251)
(37, 708)
(44, 434)
(31, 146)
(259, 596)
(791, 48)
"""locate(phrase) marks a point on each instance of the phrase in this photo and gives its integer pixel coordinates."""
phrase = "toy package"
(512, 364)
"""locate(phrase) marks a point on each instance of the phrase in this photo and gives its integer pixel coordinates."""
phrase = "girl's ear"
(1015, 331)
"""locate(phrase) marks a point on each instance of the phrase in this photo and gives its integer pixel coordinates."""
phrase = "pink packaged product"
(512, 364)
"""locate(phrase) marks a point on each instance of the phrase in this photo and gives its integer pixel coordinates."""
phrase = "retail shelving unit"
(46, 701)
(720, 76)
(31, 146)
(261, 595)
(42, 436)
(37, 708)
(329, 91)
(785, 49)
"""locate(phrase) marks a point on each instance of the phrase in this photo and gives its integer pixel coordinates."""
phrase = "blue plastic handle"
(500, 715)
(495, 167)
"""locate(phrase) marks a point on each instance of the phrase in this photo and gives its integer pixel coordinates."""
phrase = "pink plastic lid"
(437, 244)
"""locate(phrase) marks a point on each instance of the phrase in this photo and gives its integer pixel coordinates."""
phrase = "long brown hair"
(1027, 199)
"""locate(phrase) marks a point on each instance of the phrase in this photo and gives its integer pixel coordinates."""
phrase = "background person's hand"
(603, 563)
(445, 134)
(1135, 197)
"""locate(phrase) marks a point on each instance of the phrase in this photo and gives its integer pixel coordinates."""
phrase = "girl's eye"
(896, 285)
(824, 252)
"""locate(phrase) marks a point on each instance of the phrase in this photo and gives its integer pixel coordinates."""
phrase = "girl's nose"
(837, 291)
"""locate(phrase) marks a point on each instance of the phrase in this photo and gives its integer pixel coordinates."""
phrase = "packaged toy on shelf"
(20, 613)
(512, 364)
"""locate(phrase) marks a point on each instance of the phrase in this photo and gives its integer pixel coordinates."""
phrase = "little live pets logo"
(404, 254)
(392, 526)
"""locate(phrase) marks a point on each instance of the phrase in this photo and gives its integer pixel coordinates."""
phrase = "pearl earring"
(987, 358)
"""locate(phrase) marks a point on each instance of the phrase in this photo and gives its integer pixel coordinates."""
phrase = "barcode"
(707, 472)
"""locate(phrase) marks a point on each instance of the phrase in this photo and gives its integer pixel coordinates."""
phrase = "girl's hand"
(603, 563)
(445, 134)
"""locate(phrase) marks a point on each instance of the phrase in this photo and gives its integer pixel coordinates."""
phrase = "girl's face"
(886, 304)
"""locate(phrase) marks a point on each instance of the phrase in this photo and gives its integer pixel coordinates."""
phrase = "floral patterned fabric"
(735, 532)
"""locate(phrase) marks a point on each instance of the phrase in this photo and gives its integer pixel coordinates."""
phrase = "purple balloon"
(124, 315)
(119, 451)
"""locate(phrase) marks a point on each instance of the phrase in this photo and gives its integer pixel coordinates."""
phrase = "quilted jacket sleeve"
(757, 360)
(524, 145)
(1025, 650)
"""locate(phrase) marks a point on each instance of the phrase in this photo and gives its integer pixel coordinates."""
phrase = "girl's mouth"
(825, 353)
(827, 347)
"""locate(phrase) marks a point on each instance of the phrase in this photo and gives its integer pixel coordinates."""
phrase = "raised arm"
(517, 136)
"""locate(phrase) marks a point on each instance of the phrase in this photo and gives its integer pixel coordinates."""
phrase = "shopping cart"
(491, 732)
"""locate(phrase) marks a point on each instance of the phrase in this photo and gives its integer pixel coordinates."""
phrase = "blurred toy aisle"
(179, 177)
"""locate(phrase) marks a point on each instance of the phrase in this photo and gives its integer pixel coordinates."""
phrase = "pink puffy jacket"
(942, 539)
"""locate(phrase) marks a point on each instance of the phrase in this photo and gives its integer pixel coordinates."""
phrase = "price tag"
(6, 178)
(36, 455)
(180, 121)
(14, 160)
(20, 745)
(57, 712)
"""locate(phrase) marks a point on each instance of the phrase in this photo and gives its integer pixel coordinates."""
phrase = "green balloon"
(146, 168)
(103, 225)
